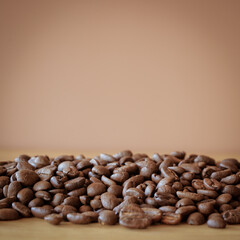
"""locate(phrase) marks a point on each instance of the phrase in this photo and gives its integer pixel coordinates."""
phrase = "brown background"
(109, 75)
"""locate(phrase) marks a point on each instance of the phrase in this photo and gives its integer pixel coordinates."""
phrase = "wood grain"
(33, 228)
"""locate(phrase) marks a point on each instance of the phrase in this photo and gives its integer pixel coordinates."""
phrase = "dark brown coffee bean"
(198, 184)
(85, 208)
(186, 210)
(107, 181)
(101, 170)
(196, 218)
(77, 192)
(72, 201)
(135, 220)
(25, 195)
(193, 196)
(96, 189)
(212, 184)
(74, 183)
(107, 217)
(24, 165)
(125, 153)
(216, 222)
(206, 159)
(208, 193)
(171, 218)
(39, 161)
(4, 180)
(27, 177)
(231, 179)
(139, 194)
(153, 213)
(231, 189)
(205, 208)
(44, 195)
(109, 200)
(92, 215)
(120, 177)
(45, 173)
(84, 199)
(78, 218)
(165, 209)
(64, 210)
(190, 167)
(224, 198)
(116, 190)
(96, 204)
(8, 214)
(232, 216)
(53, 218)
(106, 157)
(178, 154)
(22, 209)
(36, 202)
(220, 174)
(165, 199)
(129, 200)
(13, 189)
(225, 207)
(41, 186)
(41, 212)
(184, 202)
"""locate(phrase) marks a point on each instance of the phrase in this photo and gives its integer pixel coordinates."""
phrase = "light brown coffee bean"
(116, 190)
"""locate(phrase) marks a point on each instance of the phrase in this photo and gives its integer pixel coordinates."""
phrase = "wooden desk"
(33, 228)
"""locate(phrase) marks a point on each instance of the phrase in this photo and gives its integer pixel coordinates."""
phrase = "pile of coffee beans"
(134, 190)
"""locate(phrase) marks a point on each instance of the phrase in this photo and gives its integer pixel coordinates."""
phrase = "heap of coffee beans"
(134, 190)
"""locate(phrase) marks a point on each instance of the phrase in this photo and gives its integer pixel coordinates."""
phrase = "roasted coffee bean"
(22, 209)
(27, 177)
(196, 218)
(45, 173)
(36, 202)
(186, 210)
(96, 189)
(232, 216)
(64, 210)
(135, 220)
(220, 174)
(216, 222)
(120, 177)
(232, 179)
(231, 189)
(171, 218)
(44, 195)
(107, 181)
(25, 195)
(41, 186)
(153, 213)
(208, 193)
(85, 208)
(116, 190)
(224, 198)
(78, 218)
(41, 212)
(96, 203)
(39, 161)
(53, 218)
(4, 180)
(184, 202)
(8, 214)
(206, 208)
(139, 194)
(225, 207)
(125, 203)
(74, 183)
(92, 215)
(13, 189)
(190, 195)
(72, 201)
(107, 217)
(109, 200)
(212, 184)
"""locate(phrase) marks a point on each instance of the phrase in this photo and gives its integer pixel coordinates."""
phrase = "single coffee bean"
(153, 213)
(184, 202)
(107, 181)
(224, 198)
(92, 215)
(216, 222)
(78, 218)
(27, 177)
(8, 214)
(225, 207)
(205, 208)
(116, 190)
(212, 184)
(36, 202)
(4, 180)
(85, 208)
(45, 173)
(42, 186)
(25, 195)
(186, 210)
(74, 183)
(13, 189)
(72, 201)
(196, 218)
(41, 212)
(22, 209)
(190, 195)
(39, 161)
(171, 218)
(77, 192)
(53, 218)
(64, 210)
(107, 217)
(101, 170)
(96, 189)
(109, 200)
(232, 216)
(166, 209)
(44, 195)
(231, 189)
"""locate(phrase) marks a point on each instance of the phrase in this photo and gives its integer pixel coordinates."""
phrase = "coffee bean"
(166, 209)
(36, 202)
(13, 189)
(109, 200)
(153, 213)
(25, 195)
(171, 218)
(216, 222)
(107, 217)
(78, 218)
(64, 210)
(116, 190)
(85, 208)
(96, 189)
(27, 177)
(196, 218)
(74, 183)
(224, 198)
(53, 218)
(4, 180)
(212, 184)
(42, 185)
(232, 216)
(44, 195)
(22, 209)
(186, 210)
(92, 215)
(231, 189)
(41, 212)
(8, 214)
(184, 202)
(190, 195)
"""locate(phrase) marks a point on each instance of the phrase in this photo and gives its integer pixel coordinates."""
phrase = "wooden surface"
(33, 228)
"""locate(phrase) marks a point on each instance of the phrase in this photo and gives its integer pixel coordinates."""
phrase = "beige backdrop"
(109, 75)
